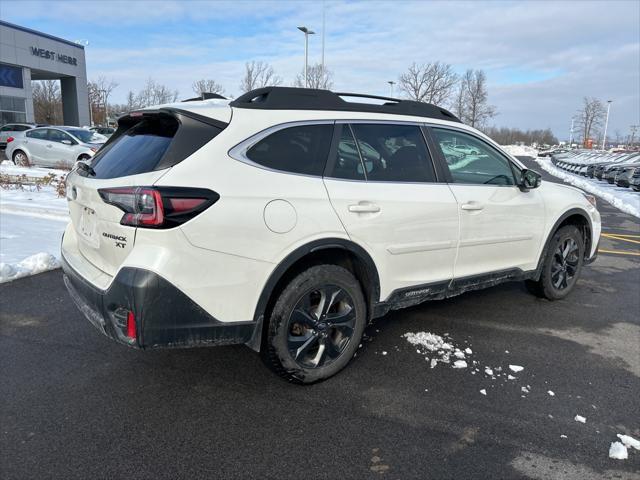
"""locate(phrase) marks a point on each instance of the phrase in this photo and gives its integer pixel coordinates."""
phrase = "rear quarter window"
(301, 149)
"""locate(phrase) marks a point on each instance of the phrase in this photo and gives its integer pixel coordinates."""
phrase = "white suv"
(289, 218)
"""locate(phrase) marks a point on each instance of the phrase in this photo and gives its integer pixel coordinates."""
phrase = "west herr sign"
(51, 55)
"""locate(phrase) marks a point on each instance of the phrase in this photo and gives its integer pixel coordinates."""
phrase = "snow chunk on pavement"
(468, 351)
(488, 371)
(510, 377)
(40, 262)
(516, 368)
(581, 419)
(458, 354)
(629, 441)
(551, 393)
(459, 364)
(483, 391)
(618, 451)
(430, 341)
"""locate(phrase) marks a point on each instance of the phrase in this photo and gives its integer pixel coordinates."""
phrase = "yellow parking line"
(620, 238)
(619, 252)
(621, 235)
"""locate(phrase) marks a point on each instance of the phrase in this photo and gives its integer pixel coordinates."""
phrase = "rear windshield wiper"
(86, 168)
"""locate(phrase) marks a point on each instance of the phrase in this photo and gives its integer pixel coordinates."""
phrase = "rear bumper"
(165, 317)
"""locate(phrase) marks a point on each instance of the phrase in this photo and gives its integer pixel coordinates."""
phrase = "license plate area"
(87, 226)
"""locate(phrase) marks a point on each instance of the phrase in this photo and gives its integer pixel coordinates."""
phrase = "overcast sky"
(540, 57)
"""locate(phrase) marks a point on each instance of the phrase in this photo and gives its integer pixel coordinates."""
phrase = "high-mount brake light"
(158, 207)
(10, 139)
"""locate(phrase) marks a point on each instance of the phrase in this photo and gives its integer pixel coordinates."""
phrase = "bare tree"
(257, 75)
(428, 82)
(458, 105)
(99, 92)
(476, 107)
(207, 86)
(319, 77)
(154, 94)
(47, 101)
(590, 117)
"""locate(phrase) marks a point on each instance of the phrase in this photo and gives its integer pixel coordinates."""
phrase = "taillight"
(10, 139)
(158, 207)
(131, 325)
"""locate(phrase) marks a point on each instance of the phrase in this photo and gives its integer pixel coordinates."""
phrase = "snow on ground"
(580, 418)
(618, 451)
(31, 225)
(629, 441)
(624, 199)
(520, 151)
(7, 167)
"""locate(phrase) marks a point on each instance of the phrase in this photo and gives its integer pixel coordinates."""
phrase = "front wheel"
(316, 325)
(562, 265)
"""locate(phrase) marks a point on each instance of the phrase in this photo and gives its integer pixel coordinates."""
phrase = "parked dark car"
(624, 175)
(635, 181)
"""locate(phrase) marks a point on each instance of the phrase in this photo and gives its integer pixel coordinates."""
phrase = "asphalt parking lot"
(76, 405)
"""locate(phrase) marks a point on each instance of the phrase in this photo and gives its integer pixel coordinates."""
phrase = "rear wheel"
(20, 158)
(316, 325)
(562, 265)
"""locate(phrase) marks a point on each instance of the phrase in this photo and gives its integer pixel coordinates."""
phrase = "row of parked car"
(623, 169)
(51, 146)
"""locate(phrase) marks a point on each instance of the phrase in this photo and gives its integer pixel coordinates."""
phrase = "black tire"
(16, 157)
(562, 265)
(299, 320)
(83, 158)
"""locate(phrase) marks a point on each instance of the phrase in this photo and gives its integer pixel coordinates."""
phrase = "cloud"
(541, 58)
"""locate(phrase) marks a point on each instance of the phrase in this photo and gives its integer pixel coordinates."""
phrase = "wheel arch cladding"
(576, 217)
(333, 251)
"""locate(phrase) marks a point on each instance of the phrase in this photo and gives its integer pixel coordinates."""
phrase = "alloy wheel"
(565, 263)
(321, 326)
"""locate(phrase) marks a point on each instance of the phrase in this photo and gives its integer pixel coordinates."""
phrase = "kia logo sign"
(53, 56)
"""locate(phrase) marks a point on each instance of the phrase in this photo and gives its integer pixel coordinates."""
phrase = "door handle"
(472, 206)
(364, 208)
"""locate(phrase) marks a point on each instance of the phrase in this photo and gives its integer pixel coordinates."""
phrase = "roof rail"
(206, 96)
(291, 98)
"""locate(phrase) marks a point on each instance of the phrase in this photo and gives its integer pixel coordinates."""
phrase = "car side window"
(39, 134)
(348, 164)
(302, 149)
(6, 128)
(471, 160)
(58, 136)
(393, 153)
(22, 128)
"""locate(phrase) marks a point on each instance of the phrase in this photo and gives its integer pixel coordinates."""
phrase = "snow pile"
(520, 151)
(40, 262)
(436, 349)
(516, 368)
(31, 225)
(624, 199)
(581, 419)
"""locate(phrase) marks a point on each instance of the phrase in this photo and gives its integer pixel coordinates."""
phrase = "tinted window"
(22, 128)
(39, 133)
(302, 149)
(58, 136)
(137, 150)
(7, 128)
(472, 160)
(348, 164)
(393, 153)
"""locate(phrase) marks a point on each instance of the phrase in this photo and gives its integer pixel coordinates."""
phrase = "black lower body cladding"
(164, 316)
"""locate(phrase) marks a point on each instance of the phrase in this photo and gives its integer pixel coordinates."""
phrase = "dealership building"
(27, 55)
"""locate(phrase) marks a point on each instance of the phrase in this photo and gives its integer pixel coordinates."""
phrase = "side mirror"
(529, 179)
(67, 142)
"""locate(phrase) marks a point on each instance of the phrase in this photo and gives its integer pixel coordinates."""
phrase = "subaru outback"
(288, 219)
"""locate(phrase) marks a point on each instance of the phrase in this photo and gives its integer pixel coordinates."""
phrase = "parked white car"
(289, 218)
(53, 146)
(11, 129)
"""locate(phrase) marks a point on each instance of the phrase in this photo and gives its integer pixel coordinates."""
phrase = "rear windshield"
(138, 150)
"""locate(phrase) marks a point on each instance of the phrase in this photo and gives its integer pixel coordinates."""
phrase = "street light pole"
(571, 133)
(306, 32)
(606, 124)
(391, 84)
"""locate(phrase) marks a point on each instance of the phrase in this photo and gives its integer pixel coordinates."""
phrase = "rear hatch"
(101, 192)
